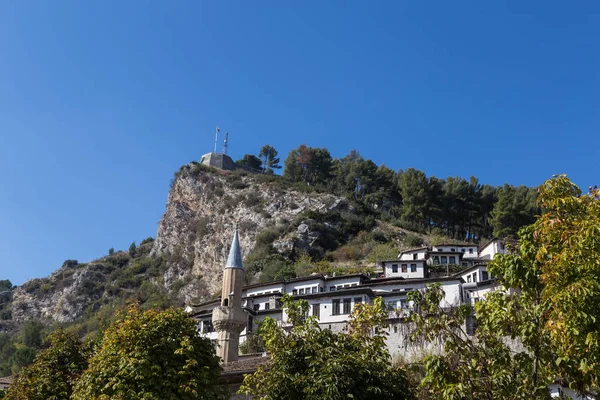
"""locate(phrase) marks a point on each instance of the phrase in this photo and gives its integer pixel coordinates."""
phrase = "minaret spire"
(235, 253)
(230, 319)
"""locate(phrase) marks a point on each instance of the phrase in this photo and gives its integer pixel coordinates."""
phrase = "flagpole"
(216, 138)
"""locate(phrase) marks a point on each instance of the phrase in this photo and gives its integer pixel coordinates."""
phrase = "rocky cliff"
(203, 209)
(186, 259)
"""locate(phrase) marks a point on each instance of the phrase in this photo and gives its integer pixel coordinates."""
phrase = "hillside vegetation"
(322, 215)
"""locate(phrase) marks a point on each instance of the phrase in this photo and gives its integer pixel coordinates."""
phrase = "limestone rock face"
(62, 297)
(203, 209)
(191, 246)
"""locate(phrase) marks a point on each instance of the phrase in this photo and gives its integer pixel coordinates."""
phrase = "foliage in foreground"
(483, 366)
(566, 246)
(54, 371)
(152, 355)
(552, 314)
(308, 362)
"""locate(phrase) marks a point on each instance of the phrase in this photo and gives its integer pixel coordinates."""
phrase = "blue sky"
(100, 102)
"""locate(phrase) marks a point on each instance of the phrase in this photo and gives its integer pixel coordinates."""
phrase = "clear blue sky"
(100, 102)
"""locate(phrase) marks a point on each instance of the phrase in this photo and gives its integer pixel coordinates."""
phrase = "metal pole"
(216, 138)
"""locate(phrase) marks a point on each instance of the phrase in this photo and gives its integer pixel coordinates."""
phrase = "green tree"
(313, 363)
(516, 207)
(483, 366)
(22, 357)
(153, 355)
(413, 189)
(269, 159)
(132, 249)
(562, 248)
(250, 160)
(31, 334)
(293, 169)
(547, 305)
(54, 370)
(310, 165)
(382, 252)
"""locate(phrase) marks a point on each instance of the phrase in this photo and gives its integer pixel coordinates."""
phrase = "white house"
(419, 253)
(491, 248)
(467, 250)
(332, 298)
(404, 269)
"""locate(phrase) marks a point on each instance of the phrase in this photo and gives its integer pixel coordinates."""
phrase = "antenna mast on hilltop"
(226, 143)
(216, 138)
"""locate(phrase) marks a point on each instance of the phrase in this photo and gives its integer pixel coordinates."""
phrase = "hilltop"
(323, 215)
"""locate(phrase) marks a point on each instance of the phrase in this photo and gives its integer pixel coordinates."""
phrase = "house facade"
(332, 299)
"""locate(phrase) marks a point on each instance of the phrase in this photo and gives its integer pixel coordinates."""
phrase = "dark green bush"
(413, 240)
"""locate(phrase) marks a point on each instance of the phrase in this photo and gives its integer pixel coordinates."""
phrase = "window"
(403, 303)
(404, 268)
(468, 278)
(207, 327)
(256, 307)
(453, 250)
(470, 251)
(225, 302)
(314, 289)
(357, 300)
(316, 310)
(452, 260)
(336, 307)
(301, 291)
(484, 276)
(347, 303)
(413, 267)
(294, 292)
(444, 260)
(394, 268)
(436, 260)
(267, 306)
(395, 328)
(249, 325)
(321, 289)
(332, 289)
(415, 256)
(474, 276)
(463, 250)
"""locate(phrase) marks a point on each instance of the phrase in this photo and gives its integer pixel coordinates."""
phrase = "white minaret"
(229, 319)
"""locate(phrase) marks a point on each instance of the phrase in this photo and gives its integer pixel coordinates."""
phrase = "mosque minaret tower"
(229, 319)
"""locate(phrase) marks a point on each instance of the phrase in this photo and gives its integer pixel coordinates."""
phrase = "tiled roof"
(245, 365)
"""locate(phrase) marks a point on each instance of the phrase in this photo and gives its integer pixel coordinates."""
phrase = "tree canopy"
(251, 161)
(456, 207)
(54, 370)
(313, 363)
(152, 355)
(269, 159)
(540, 327)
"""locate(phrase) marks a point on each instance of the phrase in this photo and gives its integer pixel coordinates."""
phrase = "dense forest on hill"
(455, 207)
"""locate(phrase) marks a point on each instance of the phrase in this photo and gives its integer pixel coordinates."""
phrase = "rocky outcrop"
(187, 257)
(204, 208)
(62, 297)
